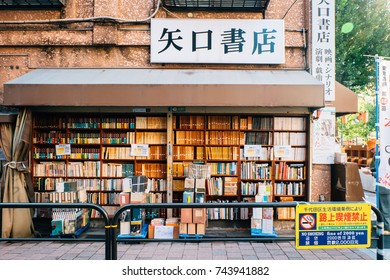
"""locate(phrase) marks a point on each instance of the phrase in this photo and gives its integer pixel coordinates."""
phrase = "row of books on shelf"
(79, 196)
(225, 138)
(231, 213)
(118, 122)
(258, 138)
(222, 153)
(180, 121)
(118, 138)
(52, 137)
(76, 153)
(290, 188)
(290, 171)
(222, 186)
(224, 122)
(256, 123)
(117, 169)
(104, 198)
(290, 138)
(126, 153)
(223, 168)
(151, 122)
(154, 170)
(140, 122)
(83, 138)
(290, 123)
(256, 171)
(50, 184)
(229, 153)
(257, 188)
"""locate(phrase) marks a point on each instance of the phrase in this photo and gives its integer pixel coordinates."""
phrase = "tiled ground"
(227, 250)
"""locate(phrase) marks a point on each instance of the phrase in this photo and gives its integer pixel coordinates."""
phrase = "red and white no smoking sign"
(307, 221)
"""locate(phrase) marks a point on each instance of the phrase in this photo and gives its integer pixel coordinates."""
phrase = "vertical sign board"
(384, 123)
(323, 45)
(217, 41)
(333, 226)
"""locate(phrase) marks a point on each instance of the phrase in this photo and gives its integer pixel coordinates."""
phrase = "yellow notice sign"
(333, 226)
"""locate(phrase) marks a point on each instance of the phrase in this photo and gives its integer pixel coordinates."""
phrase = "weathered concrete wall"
(321, 183)
(108, 44)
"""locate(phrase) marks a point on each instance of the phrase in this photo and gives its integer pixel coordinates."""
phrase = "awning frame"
(164, 87)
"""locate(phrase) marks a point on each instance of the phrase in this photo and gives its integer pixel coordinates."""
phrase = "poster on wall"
(323, 50)
(384, 123)
(324, 128)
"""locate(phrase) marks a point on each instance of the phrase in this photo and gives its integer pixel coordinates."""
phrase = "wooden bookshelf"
(219, 141)
(101, 154)
(359, 154)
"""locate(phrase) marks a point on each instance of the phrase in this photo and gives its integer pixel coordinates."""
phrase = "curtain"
(16, 180)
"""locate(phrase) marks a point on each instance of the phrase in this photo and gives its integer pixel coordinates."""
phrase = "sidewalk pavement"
(227, 250)
(218, 250)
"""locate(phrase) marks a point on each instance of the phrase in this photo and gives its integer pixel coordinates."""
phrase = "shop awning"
(164, 87)
(346, 101)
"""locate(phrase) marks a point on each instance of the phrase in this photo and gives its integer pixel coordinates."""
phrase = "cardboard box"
(138, 198)
(163, 232)
(183, 228)
(124, 198)
(186, 215)
(198, 215)
(191, 228)
(201, 229)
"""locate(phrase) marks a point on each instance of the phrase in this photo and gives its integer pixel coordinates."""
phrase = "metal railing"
(117, 215)
(107, 236)
(111, 225)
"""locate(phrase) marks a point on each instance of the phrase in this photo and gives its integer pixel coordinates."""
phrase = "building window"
(218, 5)
(31, 4)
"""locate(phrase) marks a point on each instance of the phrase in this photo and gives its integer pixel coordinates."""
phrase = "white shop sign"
(217, 41)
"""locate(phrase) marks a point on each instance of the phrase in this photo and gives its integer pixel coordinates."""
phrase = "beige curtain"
(16, 180)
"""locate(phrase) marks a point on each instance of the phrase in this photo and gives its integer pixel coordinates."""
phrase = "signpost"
(322, 226)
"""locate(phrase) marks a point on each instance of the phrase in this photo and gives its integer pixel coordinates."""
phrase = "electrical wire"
(289, 9)
(89, 19)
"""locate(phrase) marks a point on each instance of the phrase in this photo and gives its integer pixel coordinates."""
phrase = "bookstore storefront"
(251, 128)
(211, 110)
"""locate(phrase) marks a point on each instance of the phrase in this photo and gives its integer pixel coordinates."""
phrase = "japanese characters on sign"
(217, 41)
(333, 225)
(323, 45)
(384, 123)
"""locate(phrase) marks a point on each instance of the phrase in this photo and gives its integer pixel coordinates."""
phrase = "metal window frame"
(31, 4)
(217, 5)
